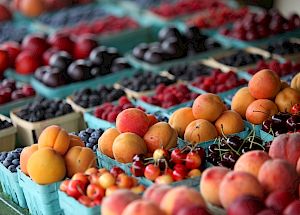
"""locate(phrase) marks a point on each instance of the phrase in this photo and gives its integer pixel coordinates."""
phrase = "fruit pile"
(11, 160)
(63, 154)
(173, 44)
(109, 111)
(64, 70)
(217, 17)
(167, 167)
(88, 97)
(218, 81)
(4, 124)
(265, 96)
(227, 150)
(256, 26)
(285, 47)
(282, 123)
(206, 120)
(189, 72)
(90, 187)
(240, 58)
(89, 137)
(72, 16)
(43, 109)
(168, 96)
(261, 182)
(185, 7)
(104, 26)
(158, 199)
(9, 91)
(145, 81)
(281, 69)
(136, 133)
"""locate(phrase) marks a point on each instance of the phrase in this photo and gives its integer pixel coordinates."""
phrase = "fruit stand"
(148, 107)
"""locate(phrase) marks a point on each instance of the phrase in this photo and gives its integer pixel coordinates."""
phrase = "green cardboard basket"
(94, 122)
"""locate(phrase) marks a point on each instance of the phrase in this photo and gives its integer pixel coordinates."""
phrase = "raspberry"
(126, 106)
(112, 116)
(123, 100)
(160, 88)
(275, 66)
(105, 114)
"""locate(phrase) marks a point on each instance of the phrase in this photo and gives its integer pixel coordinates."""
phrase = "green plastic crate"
(11, 186)
(41, 199)
(69, 205)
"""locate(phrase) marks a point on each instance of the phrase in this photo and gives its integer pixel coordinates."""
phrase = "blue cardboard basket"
(94, 122)
(11, 186)
(70, 205)
(41, 199)
(108, 163)
(266, 136)
(63, 91)
(12, 74)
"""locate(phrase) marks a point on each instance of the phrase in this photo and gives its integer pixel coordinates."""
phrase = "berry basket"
(69, 205)
(94, 122)
(11, 186)
(7, 136)
(41, 199)
(63, 91)
(28, 132)
(10, 73)
(108, 163)
(6, 108)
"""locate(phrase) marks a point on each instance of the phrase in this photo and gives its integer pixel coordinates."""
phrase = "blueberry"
(96, 135)
(84, 136)
(89, 145)
(6, 163)
(18, 150)
(92, 140)
(95, 147)
(89, 130)
(16, 162)
(12, 168)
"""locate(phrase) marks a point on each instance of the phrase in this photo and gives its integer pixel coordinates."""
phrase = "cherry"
(115, 171)
(177, 156)
(137, 168)
(295, 109)
(160, 154)
(75, 188)
(151, 172)
(192, 160)
(201, 152)
(180, 172)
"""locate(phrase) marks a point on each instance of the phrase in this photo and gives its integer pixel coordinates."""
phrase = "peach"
(236, 184)
(160, 135)
(230, 122)
(25, 155)
(180, 119)
(180, 197)
(46, 166)
(199, 131)
(106, 141)
(156, 192)
(55, 137)
(286, 98)
(278, 174)
(210, 183)
(265, 84)
(75, 141)
(133, 120)
(298, 170)
(115, 203)
(32, 8)
(208, 106)
(152, 119)
(251, 162)
(241, 100)
(260, 110)
(126, 145)
(295, 84)
(286, 146)
(142, 207)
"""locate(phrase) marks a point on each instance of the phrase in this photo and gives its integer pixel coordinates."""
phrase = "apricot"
(208, 106)
(286, 98)
(230, 122)
(79, 159)
(236, 184)
(126, 145)
(260, 110)
(160, 135)
(210, 183)
(46, 166)
(278, 174)
(241, 100)
(106, 141)
(180, 119)
(156, 192)
(75, 141)
(180, 197)
(286, 146)
(142, 207)
(133, 120)
(199, 131)
(55, 137)
(25, 155)
(32, 8)
(264, 84)
(251, 162)
(152, 119)
(295, 84)
(115, 203)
